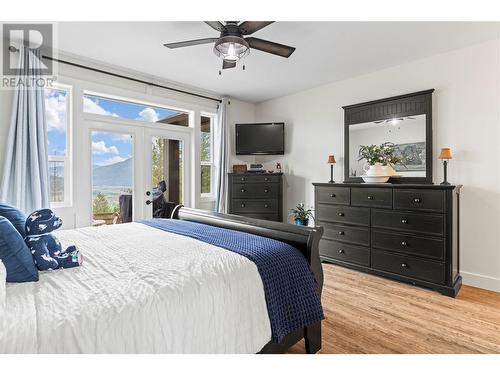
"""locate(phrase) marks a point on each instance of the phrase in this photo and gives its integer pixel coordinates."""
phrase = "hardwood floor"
(369, 314)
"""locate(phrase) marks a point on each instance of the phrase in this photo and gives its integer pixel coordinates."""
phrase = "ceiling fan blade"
(216, 25)
(270, 47)
(188, 43)
(228, 64)
(249, 27)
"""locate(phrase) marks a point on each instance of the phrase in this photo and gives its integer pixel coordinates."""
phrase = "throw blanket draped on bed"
(291, 293)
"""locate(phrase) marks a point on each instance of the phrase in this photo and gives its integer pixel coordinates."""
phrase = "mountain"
(118, 174)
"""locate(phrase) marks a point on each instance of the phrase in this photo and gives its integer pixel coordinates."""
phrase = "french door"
(132, 170)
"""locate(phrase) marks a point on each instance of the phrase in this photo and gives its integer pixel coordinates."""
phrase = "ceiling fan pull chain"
(243, 66)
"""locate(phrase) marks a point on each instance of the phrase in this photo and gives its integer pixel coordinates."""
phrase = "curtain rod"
(129, 78)
(14, 49)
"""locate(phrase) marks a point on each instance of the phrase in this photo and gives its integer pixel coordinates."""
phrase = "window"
(133, 111)
(206, 156)
(57, 109)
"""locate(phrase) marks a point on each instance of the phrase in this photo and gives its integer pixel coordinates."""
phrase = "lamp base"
(445, 183)
(331, 182)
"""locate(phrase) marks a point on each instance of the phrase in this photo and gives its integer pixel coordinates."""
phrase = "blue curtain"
(221, 158)
(25, 182)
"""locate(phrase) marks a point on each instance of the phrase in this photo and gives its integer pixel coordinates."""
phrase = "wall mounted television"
(265, 138)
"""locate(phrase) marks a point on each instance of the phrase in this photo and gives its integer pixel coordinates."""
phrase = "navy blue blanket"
(291, 293)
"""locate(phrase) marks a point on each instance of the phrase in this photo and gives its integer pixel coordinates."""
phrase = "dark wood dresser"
(257, 195)
(407, 232)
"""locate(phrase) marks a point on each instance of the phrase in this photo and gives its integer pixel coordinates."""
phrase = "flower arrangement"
(301, 215)
(383, 154)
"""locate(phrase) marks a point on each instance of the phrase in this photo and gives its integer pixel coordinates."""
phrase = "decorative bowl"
(375, 179)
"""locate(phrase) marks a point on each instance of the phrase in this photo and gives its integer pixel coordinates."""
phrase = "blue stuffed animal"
(45, 247)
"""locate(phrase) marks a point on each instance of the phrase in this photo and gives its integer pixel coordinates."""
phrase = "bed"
(144, 289)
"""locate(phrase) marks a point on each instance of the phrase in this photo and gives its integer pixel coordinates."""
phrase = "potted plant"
(380, 161)
(301, 215)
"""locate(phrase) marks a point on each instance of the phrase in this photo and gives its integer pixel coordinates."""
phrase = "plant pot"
(377, 173)
(302, 222)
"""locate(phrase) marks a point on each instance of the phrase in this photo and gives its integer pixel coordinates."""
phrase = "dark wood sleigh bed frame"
(305, 239)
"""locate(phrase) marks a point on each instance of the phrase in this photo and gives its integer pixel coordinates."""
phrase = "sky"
(107, 148)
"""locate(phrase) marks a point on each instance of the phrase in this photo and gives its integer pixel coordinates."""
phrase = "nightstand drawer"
(333, 195)
(409, 221)
(257, 178)
(344, 252)
(415, 245)
(343, 214)
(255, 190)
(254, 205)
(409, 266)
(354, 235)
(419, 199)
(377, 197)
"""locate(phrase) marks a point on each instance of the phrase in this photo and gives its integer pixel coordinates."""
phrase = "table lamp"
(331, 161)
(445, 155)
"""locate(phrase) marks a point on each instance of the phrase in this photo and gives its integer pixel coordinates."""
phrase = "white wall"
(466, 109)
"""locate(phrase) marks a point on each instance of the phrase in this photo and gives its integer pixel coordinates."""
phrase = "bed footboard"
(305, 239)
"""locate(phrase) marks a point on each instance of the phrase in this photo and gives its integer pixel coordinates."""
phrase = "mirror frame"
(417, 103)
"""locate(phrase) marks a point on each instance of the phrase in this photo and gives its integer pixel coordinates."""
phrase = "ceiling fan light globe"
(231, 48)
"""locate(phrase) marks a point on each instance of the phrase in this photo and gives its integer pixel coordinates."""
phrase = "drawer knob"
(370, 197)
(404, 243)
(341, 214)
(417, 200)
(404, 265)
(243, 179)
(341, 251)
(332, 195)
(243, 190)
(341, 233)
(404, 221)
(266, 206)
(266, 179)
(243, 205)
(266, 190)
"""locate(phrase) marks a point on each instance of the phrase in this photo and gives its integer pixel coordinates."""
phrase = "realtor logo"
(33, 36)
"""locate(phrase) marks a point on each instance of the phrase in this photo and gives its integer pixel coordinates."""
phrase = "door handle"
(148, 193)
(148, 202)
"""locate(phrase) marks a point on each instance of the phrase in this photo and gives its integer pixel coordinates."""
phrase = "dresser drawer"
(415, 245)
(409, 266)
(354, 235)
(377, 197)
(344, 252)
(409, 222)
(343, 214)
(256, 179)
(255, 190)
(419, 199)
(255, 205)
(333, 195)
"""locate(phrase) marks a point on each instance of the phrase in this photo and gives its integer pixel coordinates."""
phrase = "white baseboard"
(481, 281)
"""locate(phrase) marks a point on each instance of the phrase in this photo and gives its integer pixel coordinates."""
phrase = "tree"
(157, 157)
(100, 204)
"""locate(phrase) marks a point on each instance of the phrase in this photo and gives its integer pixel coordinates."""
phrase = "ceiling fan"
(232, 46)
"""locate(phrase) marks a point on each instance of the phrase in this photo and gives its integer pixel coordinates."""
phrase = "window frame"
(211, 163)
(67, 159)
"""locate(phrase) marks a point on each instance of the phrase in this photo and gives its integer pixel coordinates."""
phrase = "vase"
(303, 222)
(377, 173)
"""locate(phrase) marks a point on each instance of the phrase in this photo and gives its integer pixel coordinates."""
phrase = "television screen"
(260, 139)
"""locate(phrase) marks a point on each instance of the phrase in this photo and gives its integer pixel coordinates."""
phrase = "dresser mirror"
(405, 122)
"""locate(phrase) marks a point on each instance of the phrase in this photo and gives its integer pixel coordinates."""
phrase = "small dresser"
(407, 232)
(256, 195)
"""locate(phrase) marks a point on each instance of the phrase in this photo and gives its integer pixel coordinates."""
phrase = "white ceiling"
(326, 51)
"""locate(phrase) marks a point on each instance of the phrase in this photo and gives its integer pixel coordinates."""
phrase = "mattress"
(139, 290)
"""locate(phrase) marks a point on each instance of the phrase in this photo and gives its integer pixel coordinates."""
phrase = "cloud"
(149, 114)
(101, 148)
(112, 160)
(92, 106)
(55, 110)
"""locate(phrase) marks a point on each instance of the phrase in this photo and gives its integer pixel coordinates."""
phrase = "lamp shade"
(445, 153)
(331, 159)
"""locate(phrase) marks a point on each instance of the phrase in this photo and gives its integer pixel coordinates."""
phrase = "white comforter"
(140, 290)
